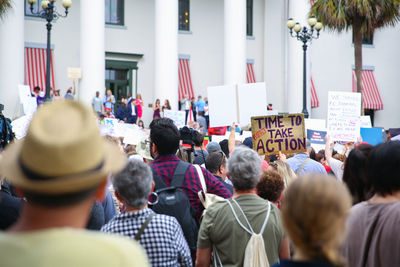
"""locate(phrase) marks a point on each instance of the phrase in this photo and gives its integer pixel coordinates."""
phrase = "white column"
(234, 41)
(298, 10)
(12, 58)
(275, 36)
(92, 49)
(166, 51)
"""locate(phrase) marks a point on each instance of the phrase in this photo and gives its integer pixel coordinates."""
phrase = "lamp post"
(49, 13)
(305, 35)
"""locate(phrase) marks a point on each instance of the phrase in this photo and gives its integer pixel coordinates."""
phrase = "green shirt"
(66, 247)
(219, 228)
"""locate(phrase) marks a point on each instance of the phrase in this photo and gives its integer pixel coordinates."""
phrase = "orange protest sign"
(285, 133)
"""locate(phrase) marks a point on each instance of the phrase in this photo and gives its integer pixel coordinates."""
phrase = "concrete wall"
(65, 38)
(330, 58)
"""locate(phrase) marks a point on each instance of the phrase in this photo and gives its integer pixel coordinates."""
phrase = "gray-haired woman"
(162, 237)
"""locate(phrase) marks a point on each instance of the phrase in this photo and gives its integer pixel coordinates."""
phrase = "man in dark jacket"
(131, 111)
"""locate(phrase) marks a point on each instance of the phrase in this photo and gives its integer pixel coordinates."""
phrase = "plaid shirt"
(162, 239)
(165, 167)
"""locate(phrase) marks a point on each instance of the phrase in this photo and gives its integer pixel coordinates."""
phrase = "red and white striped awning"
(35, 68)
(371, 97)
(185, 80)
(251, 78)
(314, 96)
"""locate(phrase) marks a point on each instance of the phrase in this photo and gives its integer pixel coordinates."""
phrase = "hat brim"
(114, 162)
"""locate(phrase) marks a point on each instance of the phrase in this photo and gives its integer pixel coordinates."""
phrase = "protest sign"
(344, 116)
(74, 73)
(177, 116)
(285, 133)
(317, 139)
(222, 105)
(28, 102)
(236, 103)
(252, 101)
(372, 136)
(365, 121)
(315, 124)
(20, 126)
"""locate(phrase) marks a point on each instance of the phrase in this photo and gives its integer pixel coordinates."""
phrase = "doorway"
(118, 82)
(121, 78)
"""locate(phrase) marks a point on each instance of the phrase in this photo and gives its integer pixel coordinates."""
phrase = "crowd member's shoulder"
(165, 221)
(214, 209)
(124, 250)
(89, 248)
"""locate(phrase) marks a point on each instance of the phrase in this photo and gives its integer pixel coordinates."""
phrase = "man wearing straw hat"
(60, 168)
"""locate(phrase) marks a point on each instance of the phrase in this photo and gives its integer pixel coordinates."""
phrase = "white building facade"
(138, 46)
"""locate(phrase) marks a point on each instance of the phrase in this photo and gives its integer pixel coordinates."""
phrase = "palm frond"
(338, 15)
(4, 6)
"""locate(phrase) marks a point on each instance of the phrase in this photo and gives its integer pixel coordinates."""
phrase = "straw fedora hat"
(63, 152)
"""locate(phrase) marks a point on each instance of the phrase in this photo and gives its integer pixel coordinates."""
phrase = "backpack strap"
(179, 174)
(251, 231)
(144, 225)
(237, 219)
(301, 166)
(266, 218)
(201, 178)
(159, 183)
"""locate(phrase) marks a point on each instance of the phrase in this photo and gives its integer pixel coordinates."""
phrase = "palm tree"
(4, 5)
(362, 16)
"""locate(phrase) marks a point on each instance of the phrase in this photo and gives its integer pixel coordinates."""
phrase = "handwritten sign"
(344, 110)
(74, 73)
(177, 116)
(285, 133)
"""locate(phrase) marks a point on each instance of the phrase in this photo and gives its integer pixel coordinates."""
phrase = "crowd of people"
(71, 197)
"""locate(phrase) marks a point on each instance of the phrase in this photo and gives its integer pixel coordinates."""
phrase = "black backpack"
(6, 133)
(173, 201)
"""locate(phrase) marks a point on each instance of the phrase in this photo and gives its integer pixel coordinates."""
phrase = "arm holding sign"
(328, 151)
(282, 156)
(336, 165)
(232, 138)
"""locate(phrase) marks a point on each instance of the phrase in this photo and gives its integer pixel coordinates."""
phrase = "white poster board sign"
(315, 124)
(20, 126)
(222, 105)
(28, 102)
(366, 122)
(344, 111)
(74, 73)
(252, 101)
(236, 103)
(177, 116)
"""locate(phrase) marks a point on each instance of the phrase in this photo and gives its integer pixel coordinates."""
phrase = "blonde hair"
(314, 212)
(285, 171)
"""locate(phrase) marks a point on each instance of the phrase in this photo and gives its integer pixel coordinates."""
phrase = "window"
(36, 8)
(367, 40)
(184, 15)
(114, 12)
(249, 18)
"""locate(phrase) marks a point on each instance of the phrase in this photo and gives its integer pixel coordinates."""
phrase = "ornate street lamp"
(304, 35)
(49, 13)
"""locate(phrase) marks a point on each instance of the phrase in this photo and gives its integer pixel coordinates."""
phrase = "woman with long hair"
(166, 105)
(314, 213)
(157, 110)
(139, 104)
